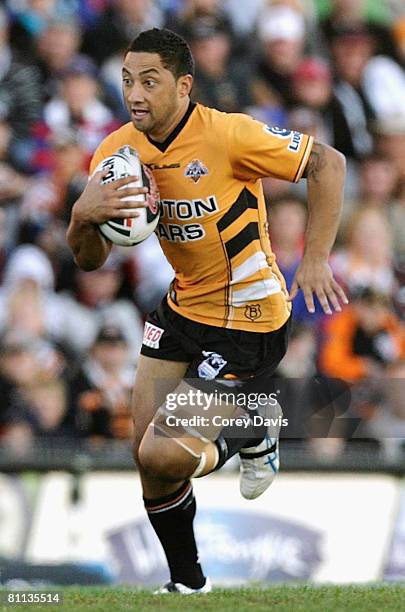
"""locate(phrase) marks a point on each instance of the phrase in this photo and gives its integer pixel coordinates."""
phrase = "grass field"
(376, 598)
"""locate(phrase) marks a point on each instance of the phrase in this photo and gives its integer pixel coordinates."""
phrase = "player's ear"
(185, 84)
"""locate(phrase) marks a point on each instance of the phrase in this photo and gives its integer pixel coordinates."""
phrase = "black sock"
(172, 519)
(228, 444)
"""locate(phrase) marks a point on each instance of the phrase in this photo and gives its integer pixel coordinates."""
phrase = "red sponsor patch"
(152, 335)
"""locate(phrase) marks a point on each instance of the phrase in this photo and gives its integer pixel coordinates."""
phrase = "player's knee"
(161, 462)
(140, 427)
(136, 443)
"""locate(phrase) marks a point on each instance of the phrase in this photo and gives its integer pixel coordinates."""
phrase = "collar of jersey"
(162, 146)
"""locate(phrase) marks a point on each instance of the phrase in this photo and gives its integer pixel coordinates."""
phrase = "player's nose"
(136, 94)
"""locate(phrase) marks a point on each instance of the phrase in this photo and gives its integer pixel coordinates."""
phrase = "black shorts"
(213, 352)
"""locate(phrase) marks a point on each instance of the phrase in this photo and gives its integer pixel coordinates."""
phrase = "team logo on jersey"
(253, 312)
(211, 366)
(295, 137)
(152, 335)
(195, 170)
(277, 131)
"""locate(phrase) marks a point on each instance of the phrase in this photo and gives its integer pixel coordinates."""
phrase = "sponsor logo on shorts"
(152, 335)
(211, 366)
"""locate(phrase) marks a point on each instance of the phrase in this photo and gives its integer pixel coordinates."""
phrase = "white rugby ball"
(130, 231)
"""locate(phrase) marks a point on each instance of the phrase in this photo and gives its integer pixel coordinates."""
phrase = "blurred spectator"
(219, 82)
(244, 16)
(313, 83)
(78, 106)
(101, 391)
(122, 21)
(203, 11)
(390, 140)
(384, 86)
(28, 279)
(28, 303)
(24, 359)
(399, 37)
(35, 395)
(45, 207)
(366, 86)
(56, 48)
(281, 32)
(51, 195)
(49, 405)
(366, 258)
(377, 188)
(307, 398)
(397, 222)
(351, 49)
(90, 10)
(20, 96)
(287, 222)
(388, 422)
(299, 361)
(3, 243)
(294, 375)
(57, 53)
(96, 303)
(13, 184)
(382, 191)
(352, 14)
(111, 74)
(363, 339)
(378, 179)
(31, 17)
(319, 112)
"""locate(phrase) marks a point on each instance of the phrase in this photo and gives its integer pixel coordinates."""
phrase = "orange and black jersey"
(213, 227)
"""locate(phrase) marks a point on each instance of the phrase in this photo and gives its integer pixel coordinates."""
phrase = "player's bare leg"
(169, 499)
(168, 456)
(149, 393)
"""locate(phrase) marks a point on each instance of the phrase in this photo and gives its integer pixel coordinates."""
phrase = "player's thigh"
(155, 378)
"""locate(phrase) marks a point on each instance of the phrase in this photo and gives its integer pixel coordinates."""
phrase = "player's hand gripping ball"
(127, 232)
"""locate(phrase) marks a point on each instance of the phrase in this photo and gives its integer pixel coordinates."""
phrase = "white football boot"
(178, 587)
(259, 464)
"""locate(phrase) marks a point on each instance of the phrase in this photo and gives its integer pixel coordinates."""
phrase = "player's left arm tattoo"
(317, 162)
(325, 174)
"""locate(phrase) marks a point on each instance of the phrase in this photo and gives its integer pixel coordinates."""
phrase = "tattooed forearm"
(317, 162)
(326, 175)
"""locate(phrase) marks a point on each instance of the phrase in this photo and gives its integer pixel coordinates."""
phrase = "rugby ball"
(130, 231)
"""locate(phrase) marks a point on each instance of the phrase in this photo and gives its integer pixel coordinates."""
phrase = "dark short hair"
(174, 52)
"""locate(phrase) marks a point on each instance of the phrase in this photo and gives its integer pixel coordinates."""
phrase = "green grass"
(305, 598)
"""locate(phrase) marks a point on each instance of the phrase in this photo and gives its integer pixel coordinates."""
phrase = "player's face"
(153, 97)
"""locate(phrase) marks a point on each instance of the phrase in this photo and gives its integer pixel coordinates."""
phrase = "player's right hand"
(99, 203)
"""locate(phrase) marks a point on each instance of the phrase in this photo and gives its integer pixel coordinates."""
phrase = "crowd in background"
(331, 68)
